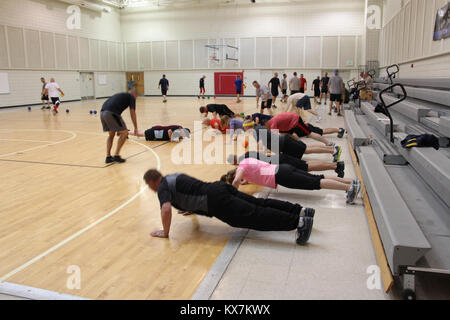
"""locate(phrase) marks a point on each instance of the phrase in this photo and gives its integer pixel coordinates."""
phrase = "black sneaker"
(119, 159)
(309, 212)
(304, 232)
(352, 194)
(109, 160)
(274, 106)
(339, 115)
(340, 169)
(341, 133)
(43, 107)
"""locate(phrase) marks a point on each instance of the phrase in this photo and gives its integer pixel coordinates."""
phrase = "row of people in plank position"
(222, 199)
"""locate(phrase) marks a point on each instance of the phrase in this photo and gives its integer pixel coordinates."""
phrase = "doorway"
(87, 85)
(136, 80)
(224, 82)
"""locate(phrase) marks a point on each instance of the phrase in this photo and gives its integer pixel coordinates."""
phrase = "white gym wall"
(407, 39)
(305, 36)
(35, 42)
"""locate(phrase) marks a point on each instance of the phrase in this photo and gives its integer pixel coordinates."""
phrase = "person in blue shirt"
(238, 84)
(164, 85)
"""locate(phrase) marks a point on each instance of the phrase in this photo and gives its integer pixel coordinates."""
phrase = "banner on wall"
(442, 27)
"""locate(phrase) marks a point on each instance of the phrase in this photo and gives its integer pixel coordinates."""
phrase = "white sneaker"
(318, 118)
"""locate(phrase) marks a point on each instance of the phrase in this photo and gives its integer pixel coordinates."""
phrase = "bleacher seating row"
(409, 189)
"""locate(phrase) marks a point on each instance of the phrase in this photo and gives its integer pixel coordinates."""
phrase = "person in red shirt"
(218, 124)
(303, 84)
(290, 123)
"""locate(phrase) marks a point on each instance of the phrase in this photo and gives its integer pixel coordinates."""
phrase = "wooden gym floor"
(61, 206)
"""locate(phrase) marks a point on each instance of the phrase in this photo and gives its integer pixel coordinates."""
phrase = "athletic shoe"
(357, 183)
(304, 232)
(198, 97)
(341, 133)
(203, 98)
(109, 160)
(337, 154)
(339, 115)
(340, 169)
(331, 144)
(43, 107)
(309, 212)
(164, 101)
(274, 106)
(119, 159)
(47, 108)
(318, 119)
(329, 113)
(352, 194)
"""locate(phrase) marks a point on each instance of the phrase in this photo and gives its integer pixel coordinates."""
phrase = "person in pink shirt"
(290, 122)
(271, 175)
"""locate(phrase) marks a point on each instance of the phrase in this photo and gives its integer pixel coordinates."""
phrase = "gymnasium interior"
(75, 227)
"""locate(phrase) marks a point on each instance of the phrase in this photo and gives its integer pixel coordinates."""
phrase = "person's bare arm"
(166, 218)
(267, 99)
(133, 118)
(137, 134)
(59, 89)
(257, 102)
(238, 178)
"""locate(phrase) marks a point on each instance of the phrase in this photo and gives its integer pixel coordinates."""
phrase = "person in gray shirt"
(294, 84)
(337, 89)
(226, 203)
(263, 92)
(284, 87)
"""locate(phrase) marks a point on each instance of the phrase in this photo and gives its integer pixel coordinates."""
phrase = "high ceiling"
(161, 4)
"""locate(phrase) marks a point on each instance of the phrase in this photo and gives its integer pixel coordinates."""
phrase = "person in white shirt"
(263, 92)
(53, 90)
(299, 101)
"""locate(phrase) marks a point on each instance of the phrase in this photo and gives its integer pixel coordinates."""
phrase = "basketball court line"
(87, 228)
(74, 135)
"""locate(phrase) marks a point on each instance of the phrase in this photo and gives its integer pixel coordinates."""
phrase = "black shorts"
(304, 103)
(317, 93)
(290, 177)
(44, 98)
(301, 130)
(336, 97)
(112, 122)
(284, 91)
(315, 129)
(164, 92)
(294, 92)
(292, 147)
(324, 90)
(269, 104)
(302, 90)
(55, 101)
(238, 91)
(275, 93)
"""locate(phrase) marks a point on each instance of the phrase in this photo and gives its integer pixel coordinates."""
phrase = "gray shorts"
(112, 122)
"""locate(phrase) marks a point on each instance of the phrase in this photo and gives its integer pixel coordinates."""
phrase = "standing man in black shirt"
(316, 89)
(274, 84)
(202, 87)
(113, 123)
(164, 85)
(324, 84)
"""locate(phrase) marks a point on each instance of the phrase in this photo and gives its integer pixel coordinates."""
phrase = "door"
(87, 85)
(224, 83)
(137, 82)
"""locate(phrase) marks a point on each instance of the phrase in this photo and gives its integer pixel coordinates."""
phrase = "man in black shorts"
(172, 133)
(164, 85)
(316, 89)
(274, 84)
(263, 93)
(216, 109)
(202, 87)
(284, 87)
(44, 97)
(227, 204)
(324, 84)
(113, 123)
